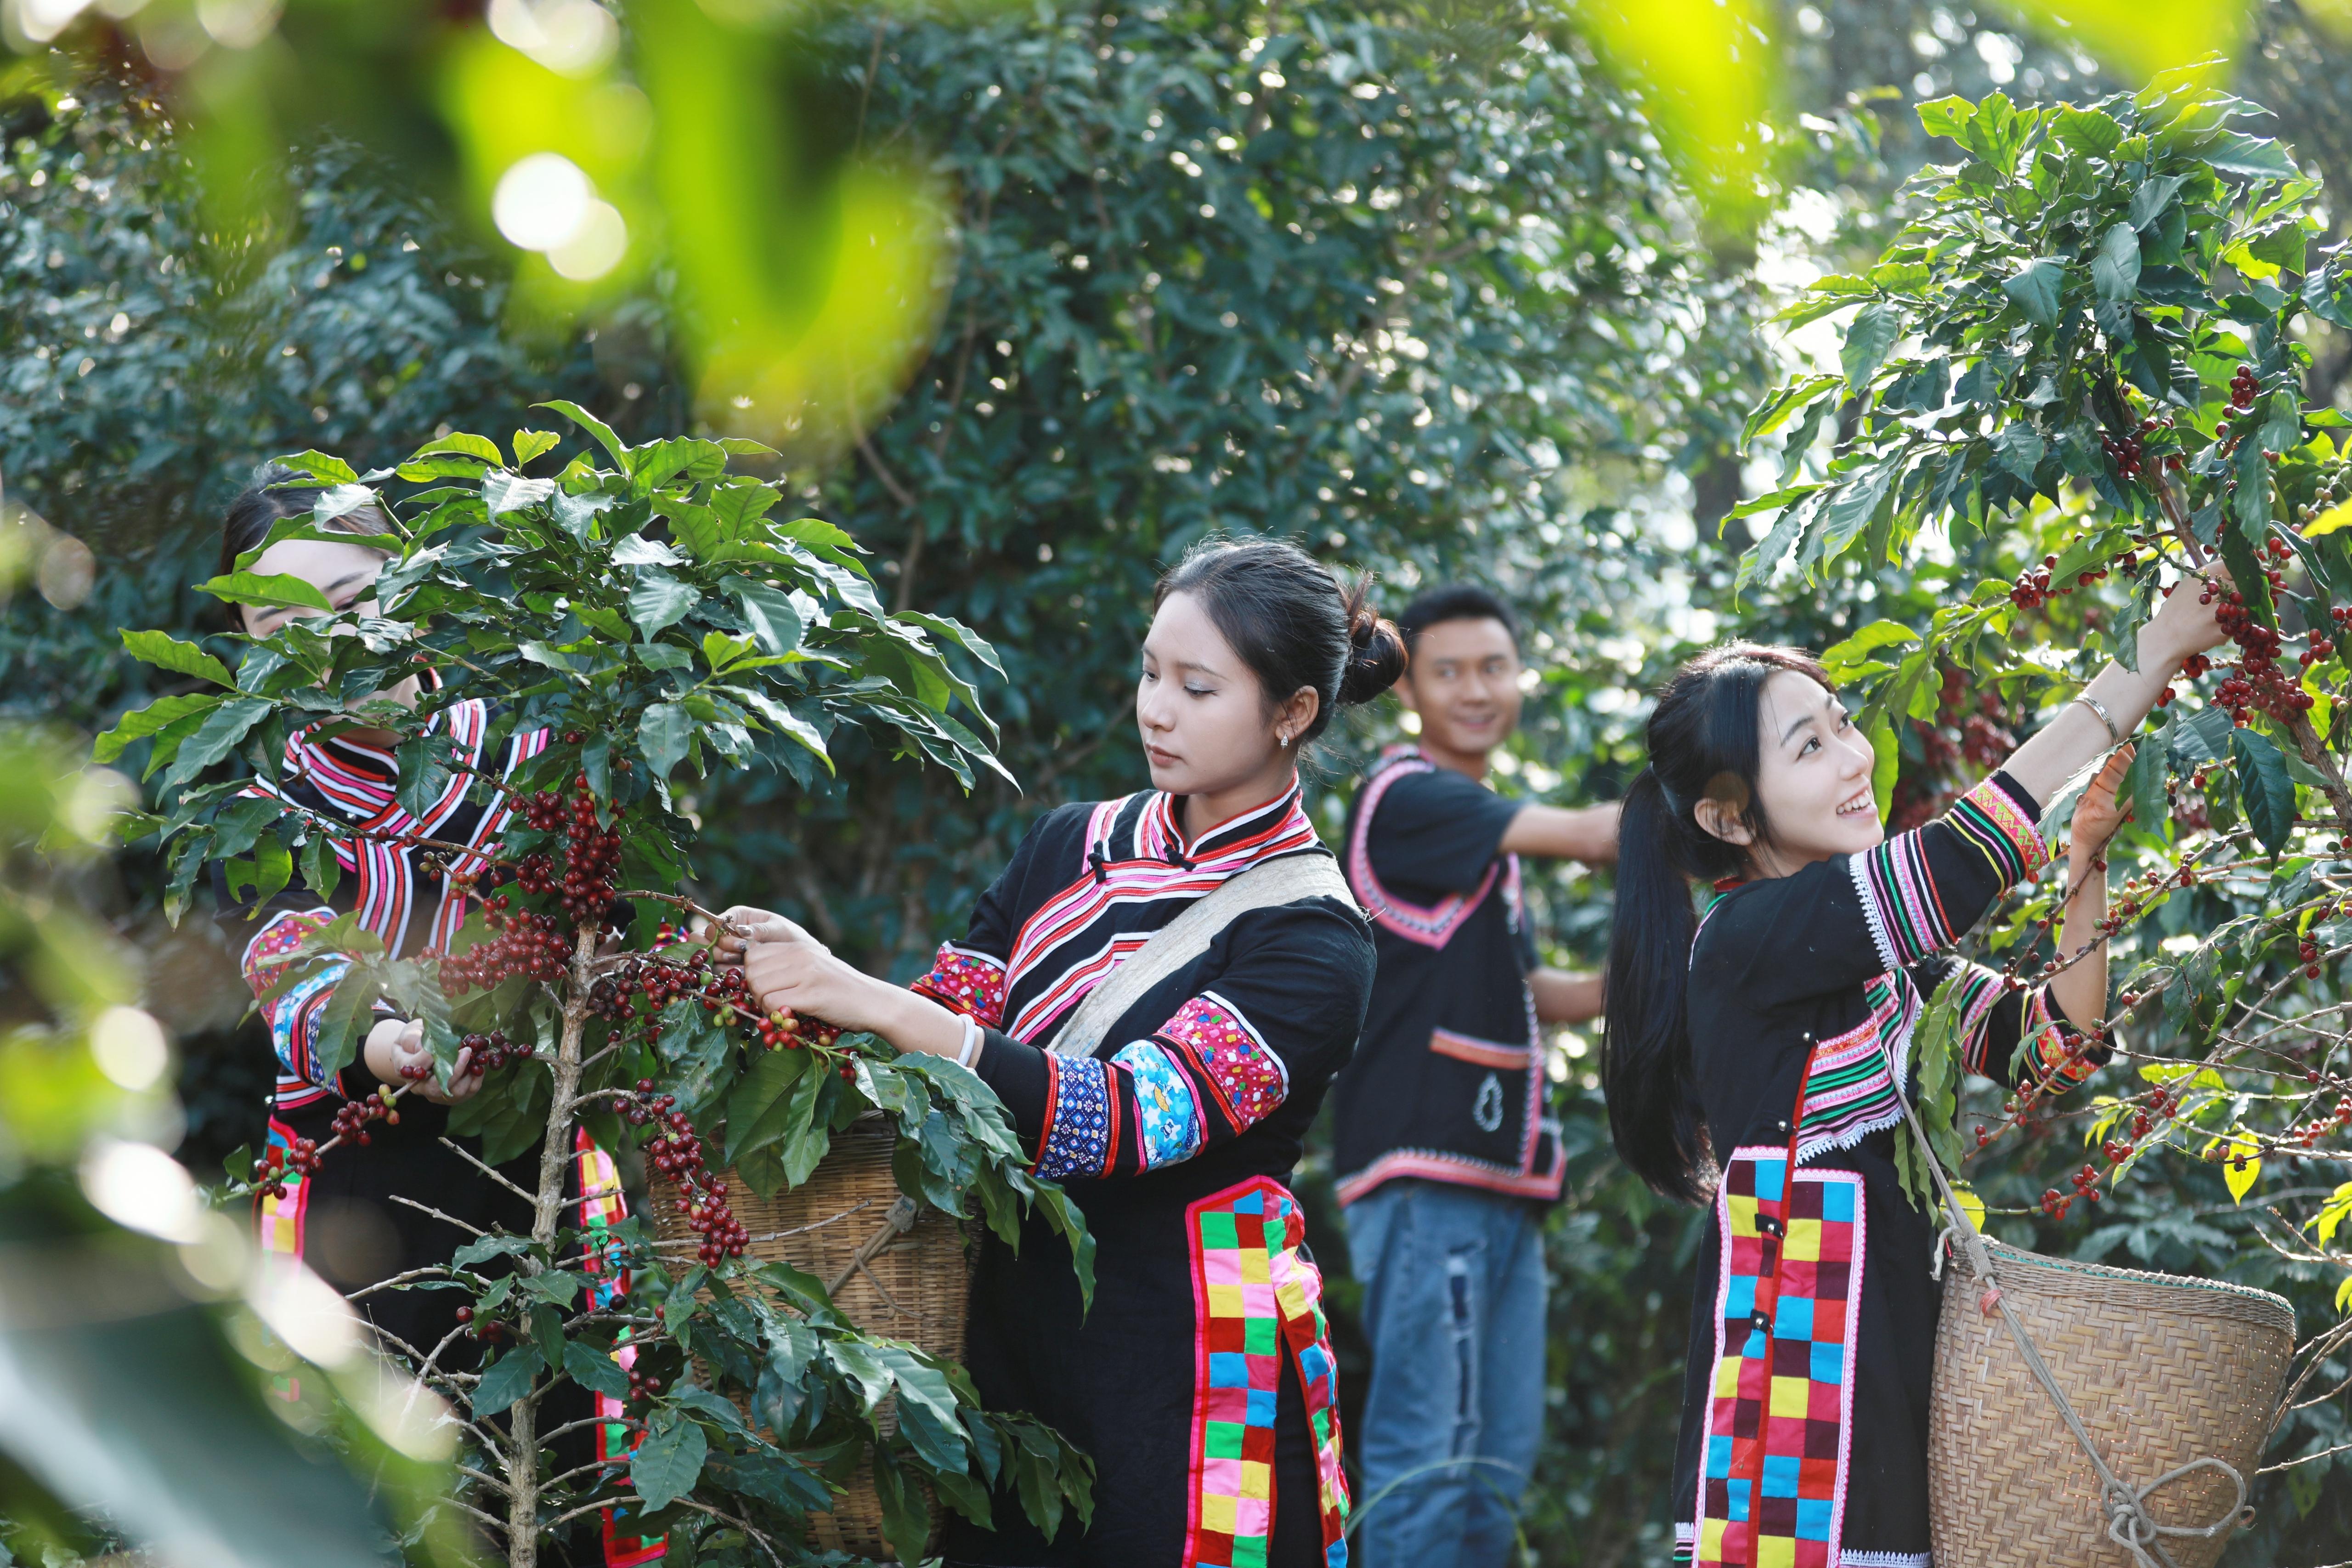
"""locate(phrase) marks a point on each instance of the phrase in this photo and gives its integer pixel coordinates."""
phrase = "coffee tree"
(642, 613)
(2081, 361)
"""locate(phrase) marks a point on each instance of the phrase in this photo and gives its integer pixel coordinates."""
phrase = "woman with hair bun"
(1159, 988)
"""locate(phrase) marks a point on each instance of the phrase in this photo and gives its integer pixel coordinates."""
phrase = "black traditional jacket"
(1449, 1084)
(1202, 1380)
(1804, 1421)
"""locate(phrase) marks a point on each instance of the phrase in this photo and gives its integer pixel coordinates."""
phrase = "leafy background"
(1416, 284)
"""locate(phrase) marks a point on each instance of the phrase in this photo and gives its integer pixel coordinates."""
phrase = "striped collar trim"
(1278, 826)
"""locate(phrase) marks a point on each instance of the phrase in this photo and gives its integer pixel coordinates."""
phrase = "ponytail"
(1645, 1058)
(1705, 743)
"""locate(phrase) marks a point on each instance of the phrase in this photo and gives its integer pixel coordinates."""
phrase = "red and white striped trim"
(1150, 870)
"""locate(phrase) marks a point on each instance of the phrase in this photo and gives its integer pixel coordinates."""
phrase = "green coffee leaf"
(2264, 788)
(669, 1460)
(277, 590)
(167, 652)
(506, 1380)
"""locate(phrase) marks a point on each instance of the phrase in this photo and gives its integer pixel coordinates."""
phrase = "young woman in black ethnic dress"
(1202, 1380)
(342, 1219)
(1756, 1038)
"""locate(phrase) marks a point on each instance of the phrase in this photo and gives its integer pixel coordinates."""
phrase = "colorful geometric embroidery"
(1168, 1116)
(965, 982)
(2051, 1046)
(1080, 1111)
(292, 1015)
(1252, 1292)
(1430, 925)
(2010, 840)
(1248, 1079)
(1850, 1092)
(1772, 1473)
(1897, 886)
(604, 1205)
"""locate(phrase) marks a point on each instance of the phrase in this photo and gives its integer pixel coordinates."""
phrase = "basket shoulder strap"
(1283, 880)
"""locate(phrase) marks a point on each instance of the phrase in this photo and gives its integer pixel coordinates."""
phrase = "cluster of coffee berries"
(2085, 1183)
(492, 1051)
(489, 1331)
(528, 946)
(270, 1171)
(2322, 646)
(2320, 1127)
(675, 1152)
(2244, 389)
(591, 851)
(785, 1030)
(2129, 452)
(642, 1386)
(637, 990)
(2259, 680)
(352, 1117)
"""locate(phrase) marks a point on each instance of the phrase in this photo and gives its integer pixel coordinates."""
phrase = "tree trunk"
(554, 1161)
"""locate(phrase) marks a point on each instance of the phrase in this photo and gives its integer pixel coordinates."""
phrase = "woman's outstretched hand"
(396, 1053)
(2187, 623)
(2100, 815)
(787, 967)
(727, 945)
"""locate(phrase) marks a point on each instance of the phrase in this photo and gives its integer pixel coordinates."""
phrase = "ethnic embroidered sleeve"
(293, 1014)
(1921, 889)
(1204, 1076)
(2016, 1038)
(966, 981)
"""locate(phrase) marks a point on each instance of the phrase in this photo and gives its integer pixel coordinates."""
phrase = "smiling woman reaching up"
(1753, 1057)
(1159, 988)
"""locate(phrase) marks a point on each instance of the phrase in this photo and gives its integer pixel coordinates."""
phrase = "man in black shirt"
(1446, 1155)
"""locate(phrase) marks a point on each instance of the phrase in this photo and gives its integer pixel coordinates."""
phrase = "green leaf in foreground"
(669, 1461)
(2265, 788)
(507, 1380)
(167, 652)
(279, 591)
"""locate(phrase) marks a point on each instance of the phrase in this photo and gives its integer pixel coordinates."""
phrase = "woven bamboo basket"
(913, 1283)
(2162, 1371)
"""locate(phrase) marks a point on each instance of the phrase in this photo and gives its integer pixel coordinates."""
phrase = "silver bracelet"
(972, 1038)
(2115, 737)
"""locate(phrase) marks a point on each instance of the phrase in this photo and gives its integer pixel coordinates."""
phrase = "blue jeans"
(1453, 1305)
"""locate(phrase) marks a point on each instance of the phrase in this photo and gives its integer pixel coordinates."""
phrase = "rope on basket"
(895, 1224)
(2129, 1524)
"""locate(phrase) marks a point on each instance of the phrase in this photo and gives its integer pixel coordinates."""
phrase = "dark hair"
(1453, 602)
(1705, 742)
(269, 501)
(1293, 626)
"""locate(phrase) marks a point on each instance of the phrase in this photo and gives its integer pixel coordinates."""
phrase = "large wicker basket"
(910, 1284)
(2162, 1371)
